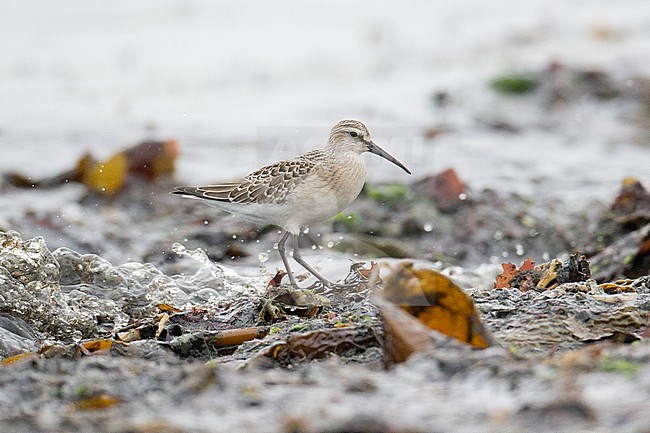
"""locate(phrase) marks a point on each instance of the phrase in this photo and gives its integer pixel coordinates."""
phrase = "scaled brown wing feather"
(273, 183)
(269, 184)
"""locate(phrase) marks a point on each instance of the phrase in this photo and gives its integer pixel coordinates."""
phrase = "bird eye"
(353, 134)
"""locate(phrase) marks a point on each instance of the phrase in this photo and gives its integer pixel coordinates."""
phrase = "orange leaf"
(101, 401)
(438, 303)
(503, 279)
(97, 345)
(166, 308)
(18, 358)
(528, 265)
(233, 337)
(510, 271)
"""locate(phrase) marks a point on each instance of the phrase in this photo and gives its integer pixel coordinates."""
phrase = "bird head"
(353, 136)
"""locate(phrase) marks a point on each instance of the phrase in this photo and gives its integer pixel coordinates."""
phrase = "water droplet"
(519, 249)
(206, 222)
(263, 257)
(462, 196)
(306, 230)
(428, 227)
(498, 235)
(330, 244)
(234, 236)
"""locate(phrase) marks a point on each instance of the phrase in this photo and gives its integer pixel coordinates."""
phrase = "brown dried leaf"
(276, 281)
(404, 334)
(371, 274)
(320, 343)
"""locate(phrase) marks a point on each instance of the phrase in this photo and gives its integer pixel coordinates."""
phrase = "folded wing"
(270, 184)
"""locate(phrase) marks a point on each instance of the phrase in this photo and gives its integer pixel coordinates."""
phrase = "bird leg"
(298, 257)
(282, 250)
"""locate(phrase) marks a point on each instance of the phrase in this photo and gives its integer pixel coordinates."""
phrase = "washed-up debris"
(619, 286)
(545, 320)
(148, 161)
(368, 276)
(285, 301)
(70, 351)
(510, 271)
(142, 364)
(545, 276)
(317, 344)
(209, 344)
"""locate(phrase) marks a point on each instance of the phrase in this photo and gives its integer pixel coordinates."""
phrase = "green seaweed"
(390, 193)
(349, 220)
(623, 366)
(513, 84)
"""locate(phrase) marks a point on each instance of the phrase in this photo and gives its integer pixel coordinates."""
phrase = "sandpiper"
(299, 191)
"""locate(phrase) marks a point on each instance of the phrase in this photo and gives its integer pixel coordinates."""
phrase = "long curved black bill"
(373, 148)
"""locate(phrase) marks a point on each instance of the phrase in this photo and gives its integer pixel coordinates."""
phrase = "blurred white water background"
(241, 84)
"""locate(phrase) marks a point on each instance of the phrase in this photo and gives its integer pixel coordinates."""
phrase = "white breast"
(326, 192)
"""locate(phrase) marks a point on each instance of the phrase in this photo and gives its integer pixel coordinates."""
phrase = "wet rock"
(622, 239)
(16, 336)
